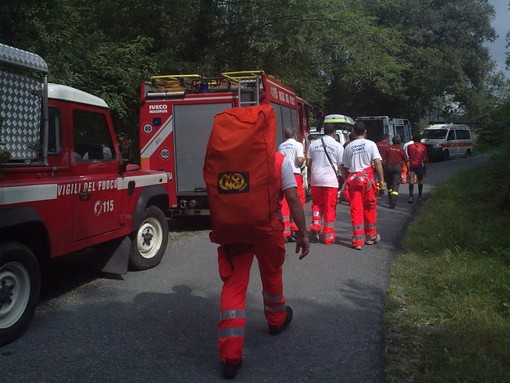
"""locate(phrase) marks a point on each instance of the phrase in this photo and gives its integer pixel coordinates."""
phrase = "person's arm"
(405, 158)
(300, 155)
(379, 168)
(298, 215)
(309, 171)
(344, 171)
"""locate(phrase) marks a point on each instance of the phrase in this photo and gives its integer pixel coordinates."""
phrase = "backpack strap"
(329, 159)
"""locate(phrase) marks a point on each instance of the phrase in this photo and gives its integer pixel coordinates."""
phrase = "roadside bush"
(497, 192)
(448, 302)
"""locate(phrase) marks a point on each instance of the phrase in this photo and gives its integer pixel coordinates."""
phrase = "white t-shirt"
(288, 179)
(406, 145)
(322, 173)
(359, 155)
(292, 149)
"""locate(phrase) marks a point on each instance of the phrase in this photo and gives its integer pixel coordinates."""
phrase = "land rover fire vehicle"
(64, 187)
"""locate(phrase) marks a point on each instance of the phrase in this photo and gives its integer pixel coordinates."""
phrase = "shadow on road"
(189, 223)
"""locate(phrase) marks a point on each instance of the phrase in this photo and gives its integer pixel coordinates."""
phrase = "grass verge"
(448, 303)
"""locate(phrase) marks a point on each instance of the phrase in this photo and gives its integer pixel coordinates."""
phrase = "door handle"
(84, 196)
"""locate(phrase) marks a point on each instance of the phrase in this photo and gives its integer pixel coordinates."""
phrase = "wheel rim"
(14, 293)
(149, 238)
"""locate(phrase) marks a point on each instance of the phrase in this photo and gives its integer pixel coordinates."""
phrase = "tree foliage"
(395, 57)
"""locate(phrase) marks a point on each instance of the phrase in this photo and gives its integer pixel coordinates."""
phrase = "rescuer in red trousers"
(293, 151)
(357, 170)
(323, 158)
(234, 268)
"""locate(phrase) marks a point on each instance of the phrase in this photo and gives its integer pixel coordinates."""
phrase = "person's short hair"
(289, 133)
(329, 127)
(397, 140)
(359, 128)
(416, 137)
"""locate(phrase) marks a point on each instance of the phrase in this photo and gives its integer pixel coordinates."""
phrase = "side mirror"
(123, 166)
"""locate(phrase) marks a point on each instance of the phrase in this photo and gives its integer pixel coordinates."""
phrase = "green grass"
(448, 303)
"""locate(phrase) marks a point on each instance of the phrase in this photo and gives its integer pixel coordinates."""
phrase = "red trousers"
(324, 200)
(288, 224)
(235, 273)
(363, 206)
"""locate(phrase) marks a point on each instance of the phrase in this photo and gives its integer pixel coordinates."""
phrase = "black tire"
(446, 154)
(468, 153)
(20, 285)
(149, 241)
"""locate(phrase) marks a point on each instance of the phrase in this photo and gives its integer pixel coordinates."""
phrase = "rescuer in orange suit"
(418, 164)
(383, 147)
(357, 170)
(323, 158)
(234, 268)
(293, 151)
(394, 159)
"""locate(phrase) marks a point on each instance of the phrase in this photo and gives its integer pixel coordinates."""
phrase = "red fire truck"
(64, 187)
(176, 119)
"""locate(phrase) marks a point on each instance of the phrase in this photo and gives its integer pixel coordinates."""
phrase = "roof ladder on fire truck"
(248, 86)
(170, 85)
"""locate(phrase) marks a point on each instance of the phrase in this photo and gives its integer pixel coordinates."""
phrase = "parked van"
(343, 126)
(378, 126)
(447, 140)
(342, 136)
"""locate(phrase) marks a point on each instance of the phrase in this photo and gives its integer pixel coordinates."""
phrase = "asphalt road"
(159, 325)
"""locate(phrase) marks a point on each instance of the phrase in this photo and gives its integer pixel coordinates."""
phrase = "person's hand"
(303, 244)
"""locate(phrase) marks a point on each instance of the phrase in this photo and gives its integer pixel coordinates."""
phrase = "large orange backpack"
(239, 172)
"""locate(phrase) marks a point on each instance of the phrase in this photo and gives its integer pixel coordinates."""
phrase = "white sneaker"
(373, 241)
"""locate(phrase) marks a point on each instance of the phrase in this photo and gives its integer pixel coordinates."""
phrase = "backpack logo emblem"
(233, 182)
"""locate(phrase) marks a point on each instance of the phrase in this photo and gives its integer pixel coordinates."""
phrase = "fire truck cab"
(176, 118)
(64, 187)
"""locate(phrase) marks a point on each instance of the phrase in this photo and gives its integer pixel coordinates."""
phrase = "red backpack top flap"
(239, 172)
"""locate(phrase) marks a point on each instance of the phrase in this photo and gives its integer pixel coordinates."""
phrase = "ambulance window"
(451, 135)
(92, 139)
(463, 135)
(434, 134)
(400, 131)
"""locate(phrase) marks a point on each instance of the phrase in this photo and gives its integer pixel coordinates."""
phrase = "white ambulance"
(445, 141)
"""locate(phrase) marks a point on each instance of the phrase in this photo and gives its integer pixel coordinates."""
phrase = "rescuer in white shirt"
(293, 151)
(324, 181)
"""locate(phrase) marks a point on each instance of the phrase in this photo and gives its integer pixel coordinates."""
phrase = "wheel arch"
(150, 196)
(15, 223)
